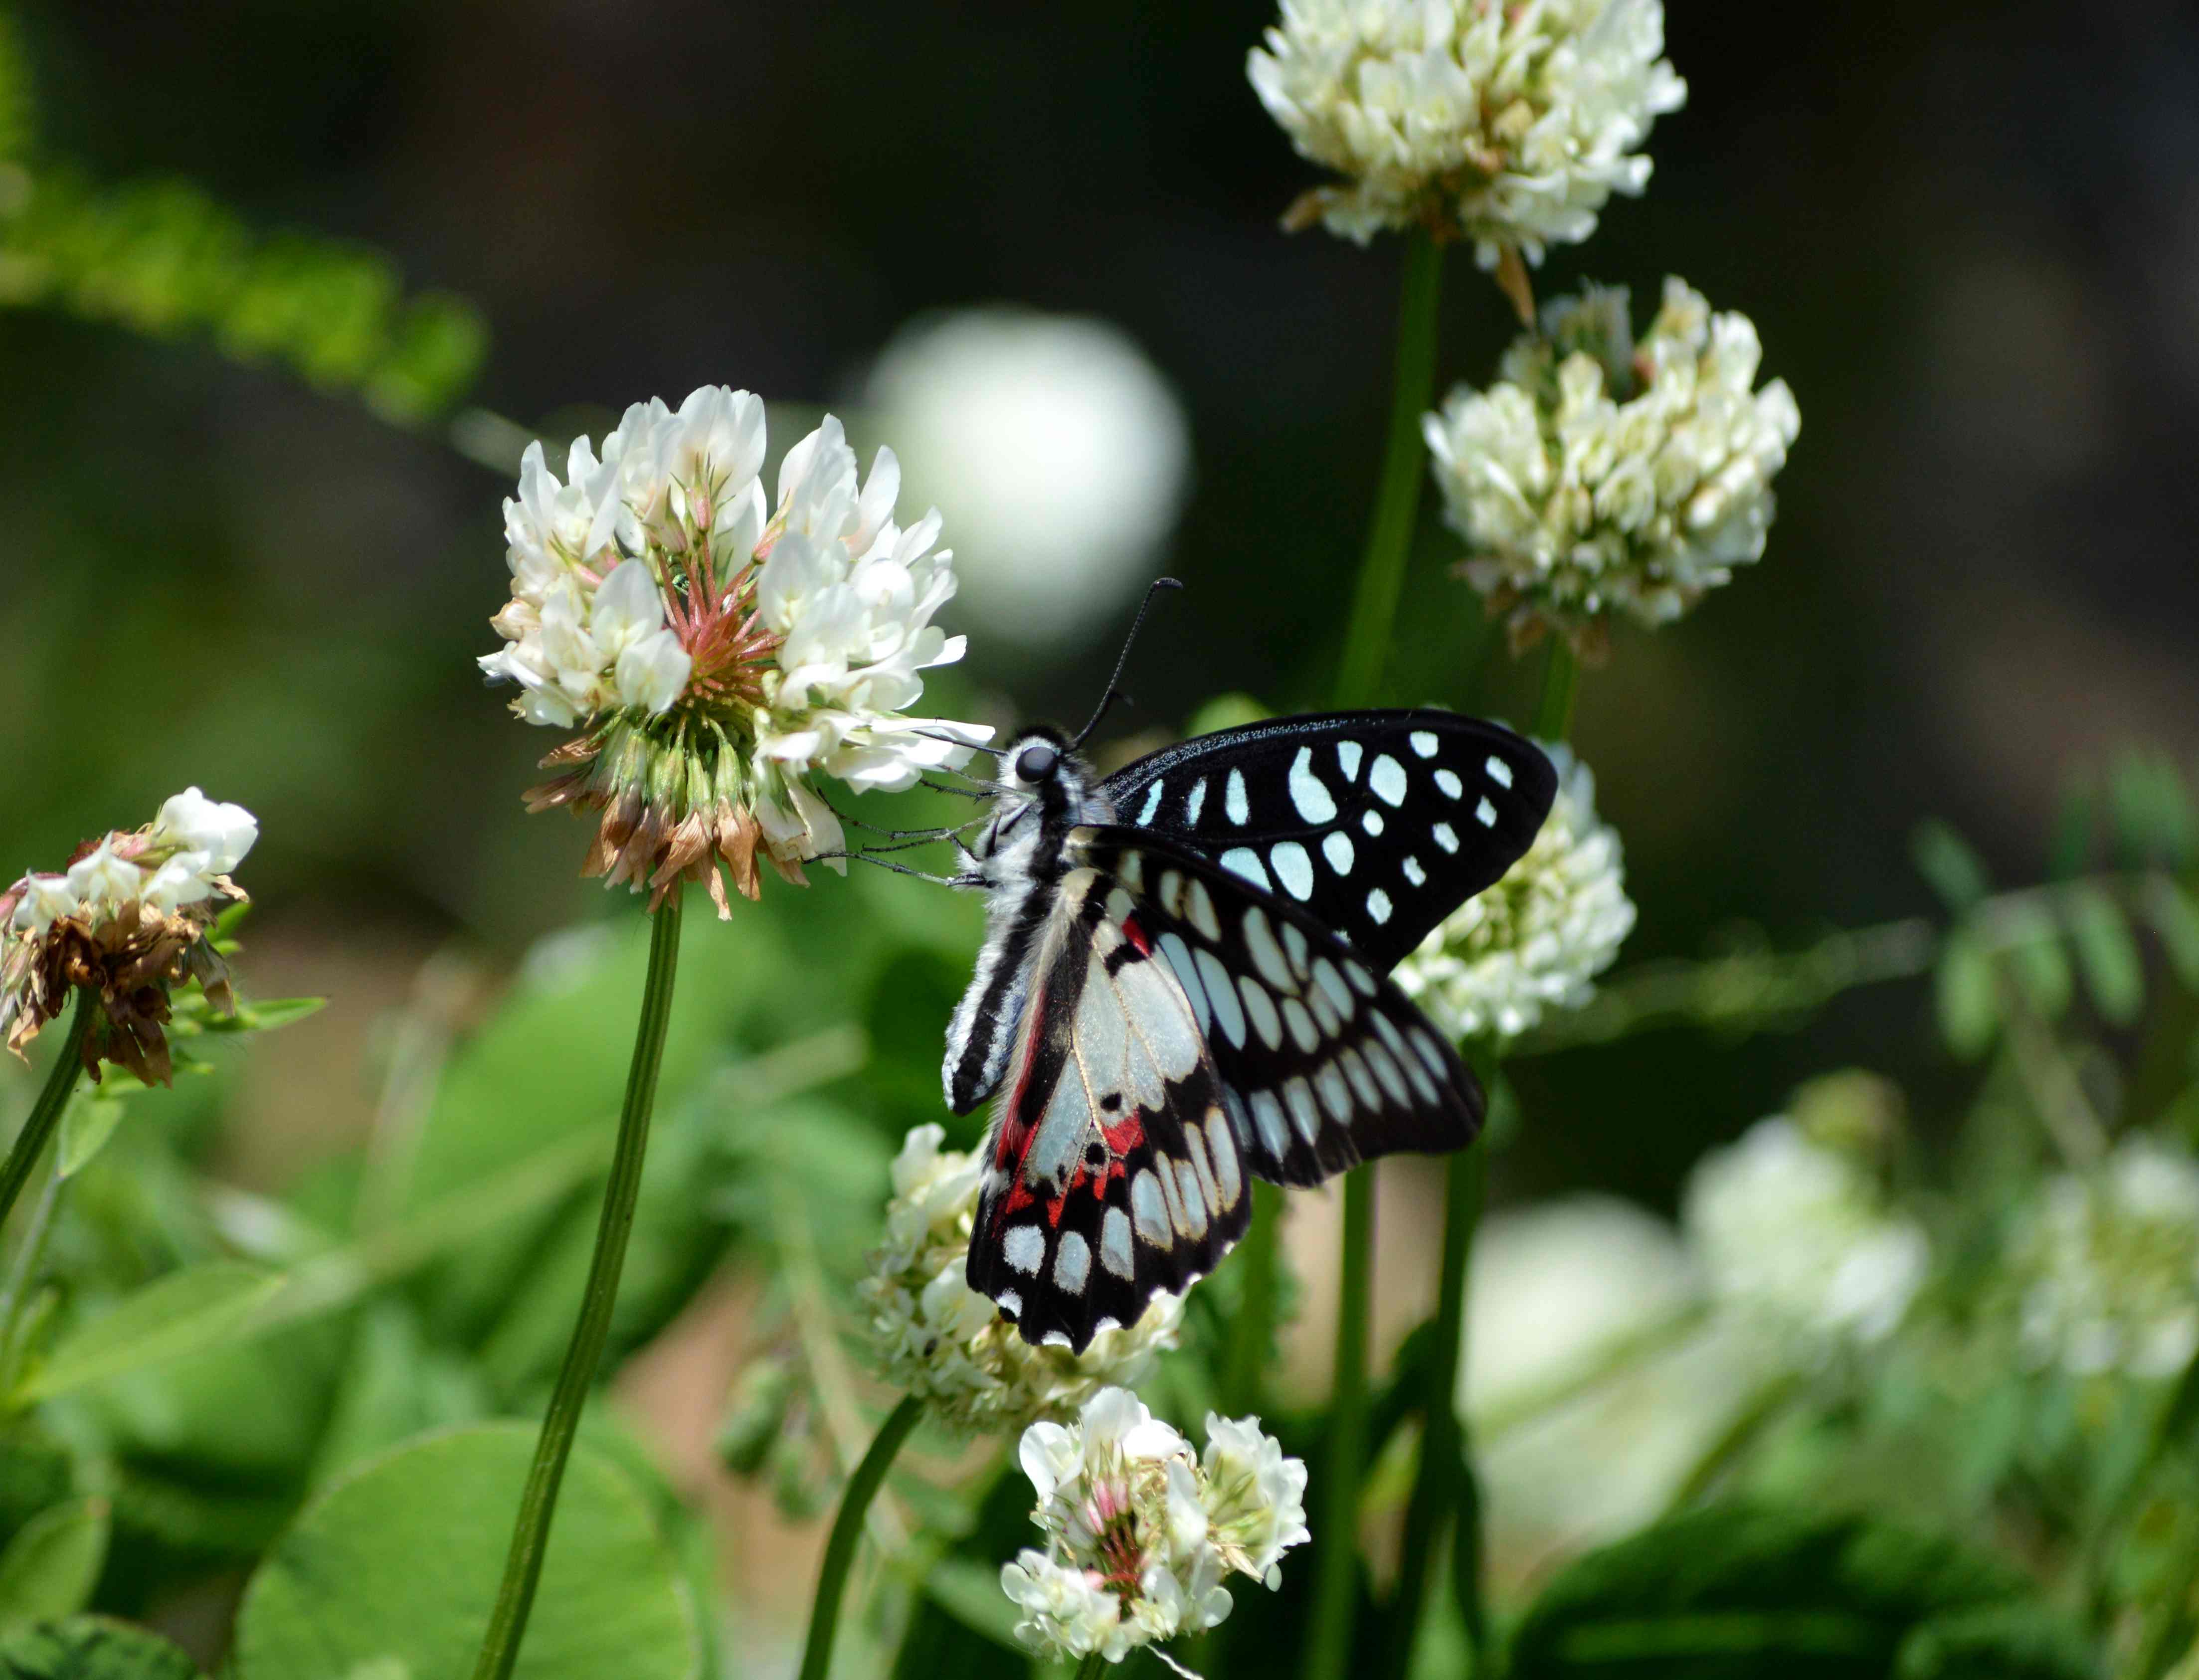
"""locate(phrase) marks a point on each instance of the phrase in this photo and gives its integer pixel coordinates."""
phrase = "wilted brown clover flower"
(131, 917)
(716, 651)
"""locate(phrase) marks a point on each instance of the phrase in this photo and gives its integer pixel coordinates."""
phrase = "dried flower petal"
(130, 919)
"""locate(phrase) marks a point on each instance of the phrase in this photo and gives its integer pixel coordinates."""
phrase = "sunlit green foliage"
(164, 257)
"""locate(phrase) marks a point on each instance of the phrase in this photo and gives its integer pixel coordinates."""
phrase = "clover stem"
(847, 1529)
(46, 1114)
(538, 1503)
(1359, 678)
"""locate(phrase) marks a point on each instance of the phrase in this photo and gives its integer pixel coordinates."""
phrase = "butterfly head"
(1045, 787)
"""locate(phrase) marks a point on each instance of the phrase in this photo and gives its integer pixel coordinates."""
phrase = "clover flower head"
(1509, 125)
(1796, 1238)
(1142, 1532)
(718, 650)
(935, 1337)
(129, 918)
(1537, 939)
(1602, 473)
(2107, 1265)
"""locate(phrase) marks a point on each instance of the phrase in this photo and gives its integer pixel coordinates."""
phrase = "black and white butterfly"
(1184, 985)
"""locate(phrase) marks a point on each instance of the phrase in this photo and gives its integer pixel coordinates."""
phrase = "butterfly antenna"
(887, 864)
(913, 836)
(954, 741)
(1114, 692)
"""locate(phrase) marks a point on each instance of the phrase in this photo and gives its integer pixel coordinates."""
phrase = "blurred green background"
(1967, 234)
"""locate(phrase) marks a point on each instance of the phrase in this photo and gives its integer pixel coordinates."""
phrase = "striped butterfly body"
(1184, 985)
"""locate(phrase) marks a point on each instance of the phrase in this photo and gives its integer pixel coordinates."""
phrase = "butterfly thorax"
(1046, 790)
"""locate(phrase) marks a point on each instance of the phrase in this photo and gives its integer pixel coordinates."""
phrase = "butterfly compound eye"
(1035, 764)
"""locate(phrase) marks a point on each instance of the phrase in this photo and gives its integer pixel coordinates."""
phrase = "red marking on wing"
(1124, 1135)
(1137, 936)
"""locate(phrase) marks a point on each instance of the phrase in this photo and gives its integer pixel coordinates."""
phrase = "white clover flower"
(2106, 1265)
(1600, 473)
(1064, 1609)
(102, 878)
(720, 650)
(1062, 450)
(1592, 1389)
(1510, 123)
(41, 901)
(1141, 1534)
(1254, 1498)
(938, 1338)
(1538, 937)
(1556, 1287)
(184, 879)
(131, 917)
(1797, 1239)
(194, 822)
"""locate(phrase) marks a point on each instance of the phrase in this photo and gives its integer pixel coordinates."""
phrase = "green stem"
(1336, 1586)
(1553, 712)
(1092, 1667)
(1252, 1337)
(46, 1112)
(1397, 499)
(537, 1505)
(1366, 645)
(847, 1529)
(1437, 1484)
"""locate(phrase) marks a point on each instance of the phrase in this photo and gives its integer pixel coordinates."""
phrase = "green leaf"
(49, 1568)
(2036, 956)
(1947, 861)
(1970, 1011)
(1734, 1592)
(187, 1311)
(970, 1591)
(2016, 1641)
(2175, 919)
(226, 926)
(2108, 951)
(2153, 817)
(264, 1017)
(92, 1647)
(86, 1125)
(399, 1562)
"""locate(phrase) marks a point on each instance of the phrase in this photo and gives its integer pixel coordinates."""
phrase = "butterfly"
(1184, 986)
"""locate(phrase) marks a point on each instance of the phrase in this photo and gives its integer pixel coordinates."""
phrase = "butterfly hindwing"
(1113, 1170)
(1322, 1062)
(1378, 824)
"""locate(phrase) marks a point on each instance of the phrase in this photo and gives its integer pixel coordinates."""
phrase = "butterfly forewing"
(1113, 1168)
(1377, 824)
